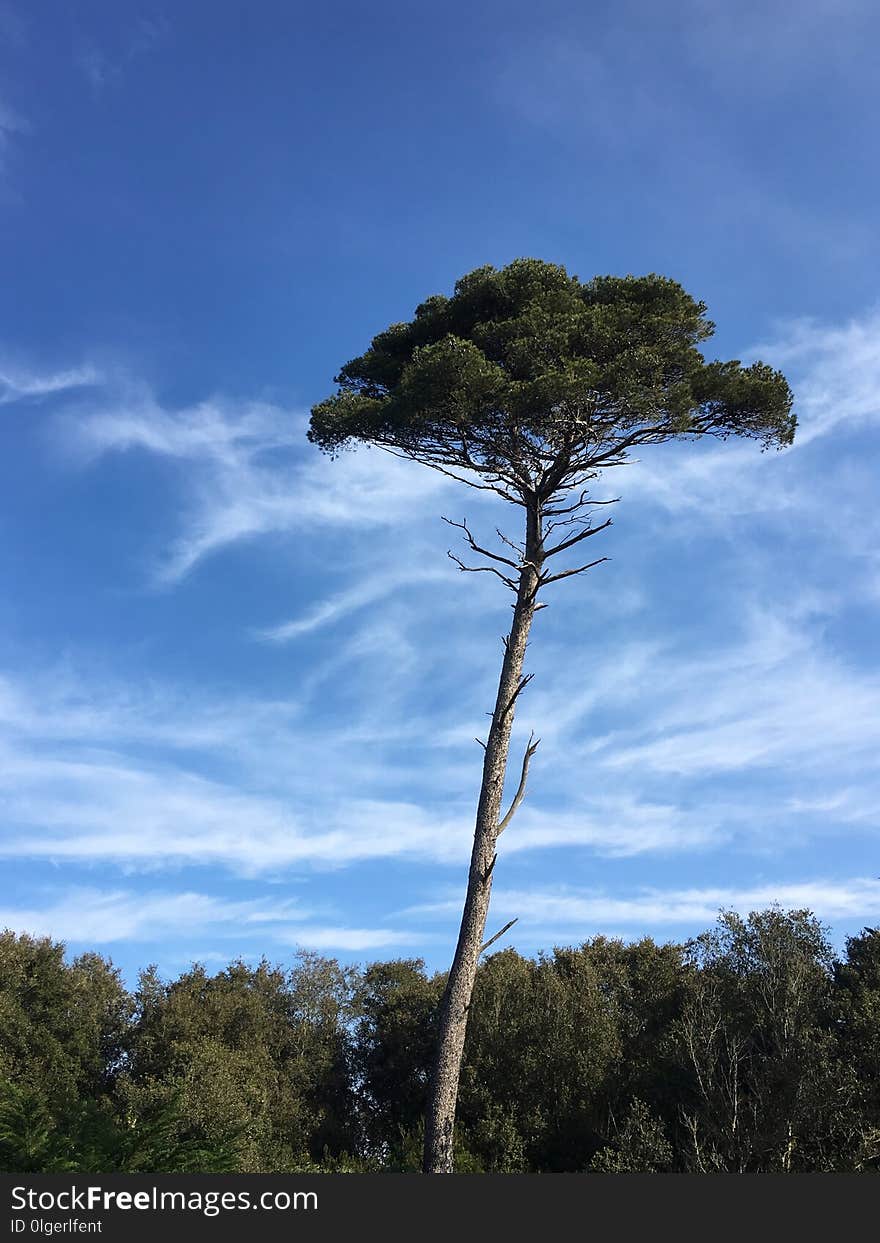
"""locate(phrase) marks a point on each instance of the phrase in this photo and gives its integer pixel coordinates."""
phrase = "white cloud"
(88, 810)
(383, 583)
(83, 783)
(839, 370)
(580, 913)
(387, 768)
(251, 472)
(782, 700)
(835, 375)
(618, 826)
(100, 917)
(19, 385)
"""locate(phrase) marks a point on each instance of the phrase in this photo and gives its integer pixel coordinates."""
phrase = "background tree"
(751, 1048)
(855, 1139)
(254, 1057)
(62, 1026)
(65, 1033)
(529, 383)
(541, 1041)
(394, 1040)
(756, 1037)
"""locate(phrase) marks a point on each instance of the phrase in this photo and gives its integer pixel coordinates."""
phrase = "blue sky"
(240, 683)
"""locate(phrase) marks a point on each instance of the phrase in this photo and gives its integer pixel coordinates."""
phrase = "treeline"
(751, 1048)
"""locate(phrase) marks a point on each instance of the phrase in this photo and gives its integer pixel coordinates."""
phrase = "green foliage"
(97, 1139)
(162, 1140)
(539, 1046)
(755, 1036)
(406, 1154)
(856, 1009)
(556, 1046)
(29, 1138)
(251, 1052)
(62, 1028)
(640, 1145)
(751, 1049)
(531, 377)
(393, 1051)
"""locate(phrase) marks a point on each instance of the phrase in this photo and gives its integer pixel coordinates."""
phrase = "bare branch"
(517, 548)
(498, 934)
(475, 547)
(576, 539)
(521, 788)
(444, 470)
(523, 683)
(480, 741)
(555, 578)
(577, 520)
(583, 502)
(481, 569)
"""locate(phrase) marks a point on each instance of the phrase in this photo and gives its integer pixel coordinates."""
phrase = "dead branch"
(498, 934)
(523, 683)
(555, 578)
(521, 788)
(576, 539)
(575, 521)
(451, 474)
(517, 548)
(481, 569)
(583, 502)
(475, 547)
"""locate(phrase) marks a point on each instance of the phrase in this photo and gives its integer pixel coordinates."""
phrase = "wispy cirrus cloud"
(142, 818)
(779, 700)
(132, 776)
(250, 472)
(127, 781)
(838, 368)
(579, 913)
(94, 916)
(21, 385)
(334, 608)
(816, 498)
(254, 475)
(648, 735)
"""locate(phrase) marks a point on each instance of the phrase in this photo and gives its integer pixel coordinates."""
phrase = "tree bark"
(440, 1115)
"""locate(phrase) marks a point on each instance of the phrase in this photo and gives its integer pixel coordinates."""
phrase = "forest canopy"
(752, 1047)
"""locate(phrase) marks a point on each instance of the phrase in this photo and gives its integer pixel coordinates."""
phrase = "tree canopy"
(751, 1048)
(533, 381)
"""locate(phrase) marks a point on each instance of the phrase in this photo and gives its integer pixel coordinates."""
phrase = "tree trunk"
(440, 1116)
